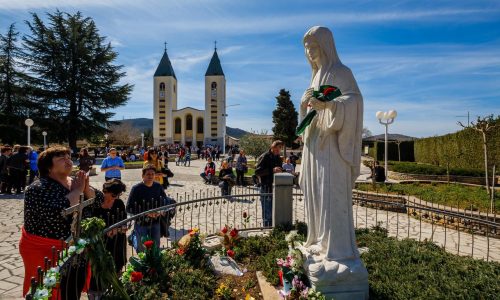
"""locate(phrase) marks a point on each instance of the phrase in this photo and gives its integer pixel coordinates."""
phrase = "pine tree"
(285, 119)
(12, 89)
(75, 80)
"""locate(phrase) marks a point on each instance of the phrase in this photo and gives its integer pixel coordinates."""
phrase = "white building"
(189, 126)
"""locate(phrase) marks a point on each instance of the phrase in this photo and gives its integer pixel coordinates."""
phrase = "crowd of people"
(53, 186)
(16, 164)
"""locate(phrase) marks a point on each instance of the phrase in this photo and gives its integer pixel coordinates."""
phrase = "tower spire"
(215, 42)
(165, 46)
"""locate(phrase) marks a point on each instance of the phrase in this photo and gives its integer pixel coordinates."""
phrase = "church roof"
(165, 67)
(214, 68)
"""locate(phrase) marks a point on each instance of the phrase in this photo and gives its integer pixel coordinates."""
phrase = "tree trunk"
(485, 146)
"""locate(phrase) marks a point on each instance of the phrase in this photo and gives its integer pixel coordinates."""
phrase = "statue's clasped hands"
(309, 100)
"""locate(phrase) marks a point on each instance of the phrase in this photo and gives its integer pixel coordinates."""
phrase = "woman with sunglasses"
(157, 163)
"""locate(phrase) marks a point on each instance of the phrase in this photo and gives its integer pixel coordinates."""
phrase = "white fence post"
(282, 199)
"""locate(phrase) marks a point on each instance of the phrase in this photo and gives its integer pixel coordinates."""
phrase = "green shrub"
(428, 169)
(410, 269)
(462, 149)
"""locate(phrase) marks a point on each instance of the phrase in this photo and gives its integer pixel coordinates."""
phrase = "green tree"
(74, 78)
(285, 119)
(484, 126)
(255, 144)
(12, 89)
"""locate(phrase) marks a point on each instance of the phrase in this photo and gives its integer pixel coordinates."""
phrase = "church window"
(199, 125)
(162, 118)
(178, 125)
(189, 122)
(214, 90)
(162, 134)
(162, 111)
(162, 90)
(214, 118)
(162, 100)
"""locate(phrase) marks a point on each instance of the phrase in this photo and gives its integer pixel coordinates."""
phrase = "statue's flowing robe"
(331, 158)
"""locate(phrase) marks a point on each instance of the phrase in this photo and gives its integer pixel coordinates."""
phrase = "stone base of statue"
(342, 279)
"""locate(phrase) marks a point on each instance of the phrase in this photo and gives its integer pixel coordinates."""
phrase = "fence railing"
(209, 210)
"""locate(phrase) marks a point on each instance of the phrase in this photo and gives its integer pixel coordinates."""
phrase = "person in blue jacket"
(112, 165)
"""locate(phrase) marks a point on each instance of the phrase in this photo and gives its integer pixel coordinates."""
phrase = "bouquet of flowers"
(326, 93)
(229, 239)
(190, 247)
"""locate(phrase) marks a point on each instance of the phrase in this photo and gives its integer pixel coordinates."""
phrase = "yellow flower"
(248, 297)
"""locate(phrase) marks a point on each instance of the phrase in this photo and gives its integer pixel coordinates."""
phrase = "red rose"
(152, 271)
(180, 251)
(149, 244)
(136, 276)
(328, 90)
(234, 232)
(224, 230)
(245, 215)
(230, 253)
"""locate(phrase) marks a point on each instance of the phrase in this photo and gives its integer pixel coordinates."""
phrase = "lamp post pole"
(44, 140)
(142, 138)
(224, 129)
(29, 122)
(386, 119)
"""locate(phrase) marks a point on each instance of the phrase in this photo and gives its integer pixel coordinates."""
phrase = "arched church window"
(214, 90)
(199, 126)
(178, 125)
(189, 122)
(162, 90)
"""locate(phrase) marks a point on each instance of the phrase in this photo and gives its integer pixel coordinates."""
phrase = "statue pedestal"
(341, 280)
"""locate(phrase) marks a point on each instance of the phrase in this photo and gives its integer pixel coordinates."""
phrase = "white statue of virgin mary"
(330, 163)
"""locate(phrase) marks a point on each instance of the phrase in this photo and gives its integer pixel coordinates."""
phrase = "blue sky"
(430, 60)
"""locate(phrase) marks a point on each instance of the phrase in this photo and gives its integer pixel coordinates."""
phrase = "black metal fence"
(209, 211)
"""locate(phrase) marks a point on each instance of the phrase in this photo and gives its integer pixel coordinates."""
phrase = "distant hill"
(143, 124)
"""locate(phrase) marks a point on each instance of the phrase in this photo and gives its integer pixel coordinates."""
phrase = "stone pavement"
(187, 185)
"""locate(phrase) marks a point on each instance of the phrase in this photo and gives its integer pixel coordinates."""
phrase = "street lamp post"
(386, 118)
(44, 140)
(224, 129)
(29, 122)
(142, 138)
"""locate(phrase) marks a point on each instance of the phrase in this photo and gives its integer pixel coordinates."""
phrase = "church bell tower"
(165, 101)
(215, 102)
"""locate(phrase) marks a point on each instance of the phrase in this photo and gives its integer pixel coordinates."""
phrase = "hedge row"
(427, 169)
(463, 149)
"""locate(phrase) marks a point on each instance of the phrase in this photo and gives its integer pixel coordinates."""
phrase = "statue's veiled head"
(320, 47)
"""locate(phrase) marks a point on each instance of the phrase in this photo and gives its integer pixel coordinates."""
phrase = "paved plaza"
(187, 185)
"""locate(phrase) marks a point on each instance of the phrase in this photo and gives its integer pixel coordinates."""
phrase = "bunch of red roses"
(229, 238)
(136, 276)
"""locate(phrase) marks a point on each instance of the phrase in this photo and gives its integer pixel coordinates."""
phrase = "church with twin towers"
(189, 126)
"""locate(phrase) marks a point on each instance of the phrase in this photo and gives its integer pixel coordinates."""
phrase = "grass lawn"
(405, 269)
(440, 193)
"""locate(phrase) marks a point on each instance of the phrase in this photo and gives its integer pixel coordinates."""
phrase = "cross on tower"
(215, 42)
(165, 46)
